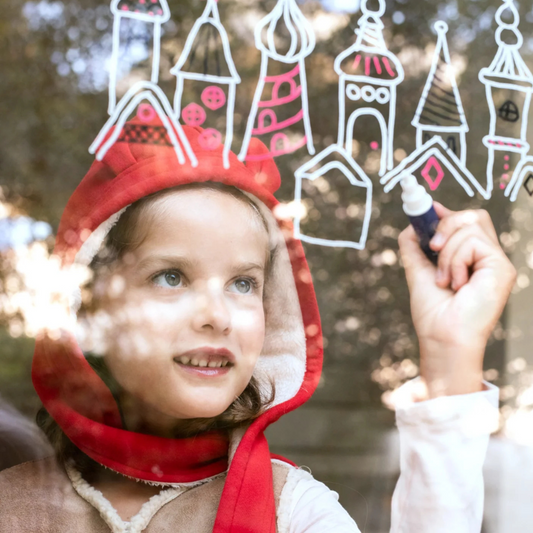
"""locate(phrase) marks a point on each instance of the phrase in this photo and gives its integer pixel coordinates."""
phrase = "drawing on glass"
(207, 81)
(433, 159)
(148, 102)
(441, 126)
(135, 17)
(508, 87)
(440, 110)
(335, 157)
(280, 111)
(369, 75)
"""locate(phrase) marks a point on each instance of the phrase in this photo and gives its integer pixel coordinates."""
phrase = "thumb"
(418, 268)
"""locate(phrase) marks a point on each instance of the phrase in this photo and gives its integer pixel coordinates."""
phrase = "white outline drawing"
(370, 53)
(143, 90)
(355, 175)
(523, 169)
(120, 9)
(211, 17)
(439, 109)
(434, 153)
(507, 71)
(302, 44)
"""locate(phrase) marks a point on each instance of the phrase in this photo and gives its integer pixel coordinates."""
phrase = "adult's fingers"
(458, 275)
(456, 221)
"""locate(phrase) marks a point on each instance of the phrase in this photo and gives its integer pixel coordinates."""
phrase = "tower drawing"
(440, 110)
(369, 75)
(508, 87)
(133, 18)
(282, 85)
(207, 81)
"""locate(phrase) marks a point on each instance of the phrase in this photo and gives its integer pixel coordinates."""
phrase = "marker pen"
(418, 206)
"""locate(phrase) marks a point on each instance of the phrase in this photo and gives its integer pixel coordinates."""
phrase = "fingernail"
(438, 239)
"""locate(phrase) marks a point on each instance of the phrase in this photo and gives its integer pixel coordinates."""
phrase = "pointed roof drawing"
(508, 65)
(440, 107)
(148, 92)
(285, 21)
(207, 54)
(147, 10)
(334, 157)
(437, 149)
(368, 58)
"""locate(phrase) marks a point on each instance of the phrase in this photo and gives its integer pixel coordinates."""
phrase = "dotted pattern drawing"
(268, 103)
(155, 12)
(507, 75)
(207, 58)
(369, 75)
(440, 110)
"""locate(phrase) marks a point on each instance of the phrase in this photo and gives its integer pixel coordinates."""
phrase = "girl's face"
(186, 308)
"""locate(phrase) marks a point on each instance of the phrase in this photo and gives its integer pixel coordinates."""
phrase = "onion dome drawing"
(285, 38)
(508, 64)
(285, 34)
(156, 10)
(369, 57)
(207, 51)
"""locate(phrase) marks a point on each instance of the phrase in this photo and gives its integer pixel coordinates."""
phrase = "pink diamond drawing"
(433, 164)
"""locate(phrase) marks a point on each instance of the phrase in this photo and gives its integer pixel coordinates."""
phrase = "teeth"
(184, 360)
(203, 363)
(223, 363)
(212, 364)
(194, 362)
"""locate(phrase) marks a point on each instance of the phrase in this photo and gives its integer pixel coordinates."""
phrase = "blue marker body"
(418, 206)
(425, 227)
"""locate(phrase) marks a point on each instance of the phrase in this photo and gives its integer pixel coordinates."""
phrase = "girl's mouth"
(206, 361)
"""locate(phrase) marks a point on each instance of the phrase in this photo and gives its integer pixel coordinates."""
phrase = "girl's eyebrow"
(164, 260)
(176, 260)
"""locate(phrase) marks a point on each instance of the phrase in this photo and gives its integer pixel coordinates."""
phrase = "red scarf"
(84, 407)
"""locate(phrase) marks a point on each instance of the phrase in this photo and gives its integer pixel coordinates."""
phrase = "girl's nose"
(211, 312)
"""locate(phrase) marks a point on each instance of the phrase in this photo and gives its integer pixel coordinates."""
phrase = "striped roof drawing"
(440, 107)
(368, 58)
(156, 10)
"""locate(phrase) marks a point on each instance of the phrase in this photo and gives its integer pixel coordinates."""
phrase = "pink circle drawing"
(213, 97)
(193, 115)
(506, 157)
(502, 185)
(210, 139)
(145, 113)
(374, 145)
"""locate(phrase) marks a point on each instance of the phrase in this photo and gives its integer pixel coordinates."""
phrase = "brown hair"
(124, 236)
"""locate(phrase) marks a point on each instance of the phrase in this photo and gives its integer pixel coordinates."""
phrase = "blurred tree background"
(53, 86)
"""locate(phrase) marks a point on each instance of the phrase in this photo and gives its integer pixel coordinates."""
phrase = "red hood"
(73, 393)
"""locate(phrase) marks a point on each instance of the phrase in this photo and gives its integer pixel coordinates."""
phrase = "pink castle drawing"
(206, 82)
(369, 75)
(280, 112)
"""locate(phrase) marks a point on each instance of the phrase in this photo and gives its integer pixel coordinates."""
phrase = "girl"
(203, 329)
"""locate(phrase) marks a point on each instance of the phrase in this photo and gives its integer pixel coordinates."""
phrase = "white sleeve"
(443, 443)
(308, 506)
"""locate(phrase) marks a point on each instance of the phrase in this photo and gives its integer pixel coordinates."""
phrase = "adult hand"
(456, 305)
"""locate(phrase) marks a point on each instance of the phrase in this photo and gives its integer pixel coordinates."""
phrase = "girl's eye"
(244, 286)
(170, 278)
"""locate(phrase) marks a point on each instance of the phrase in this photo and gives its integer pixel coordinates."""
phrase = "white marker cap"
(416, 200)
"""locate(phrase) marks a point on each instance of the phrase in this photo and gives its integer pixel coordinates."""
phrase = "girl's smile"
(206, 361)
